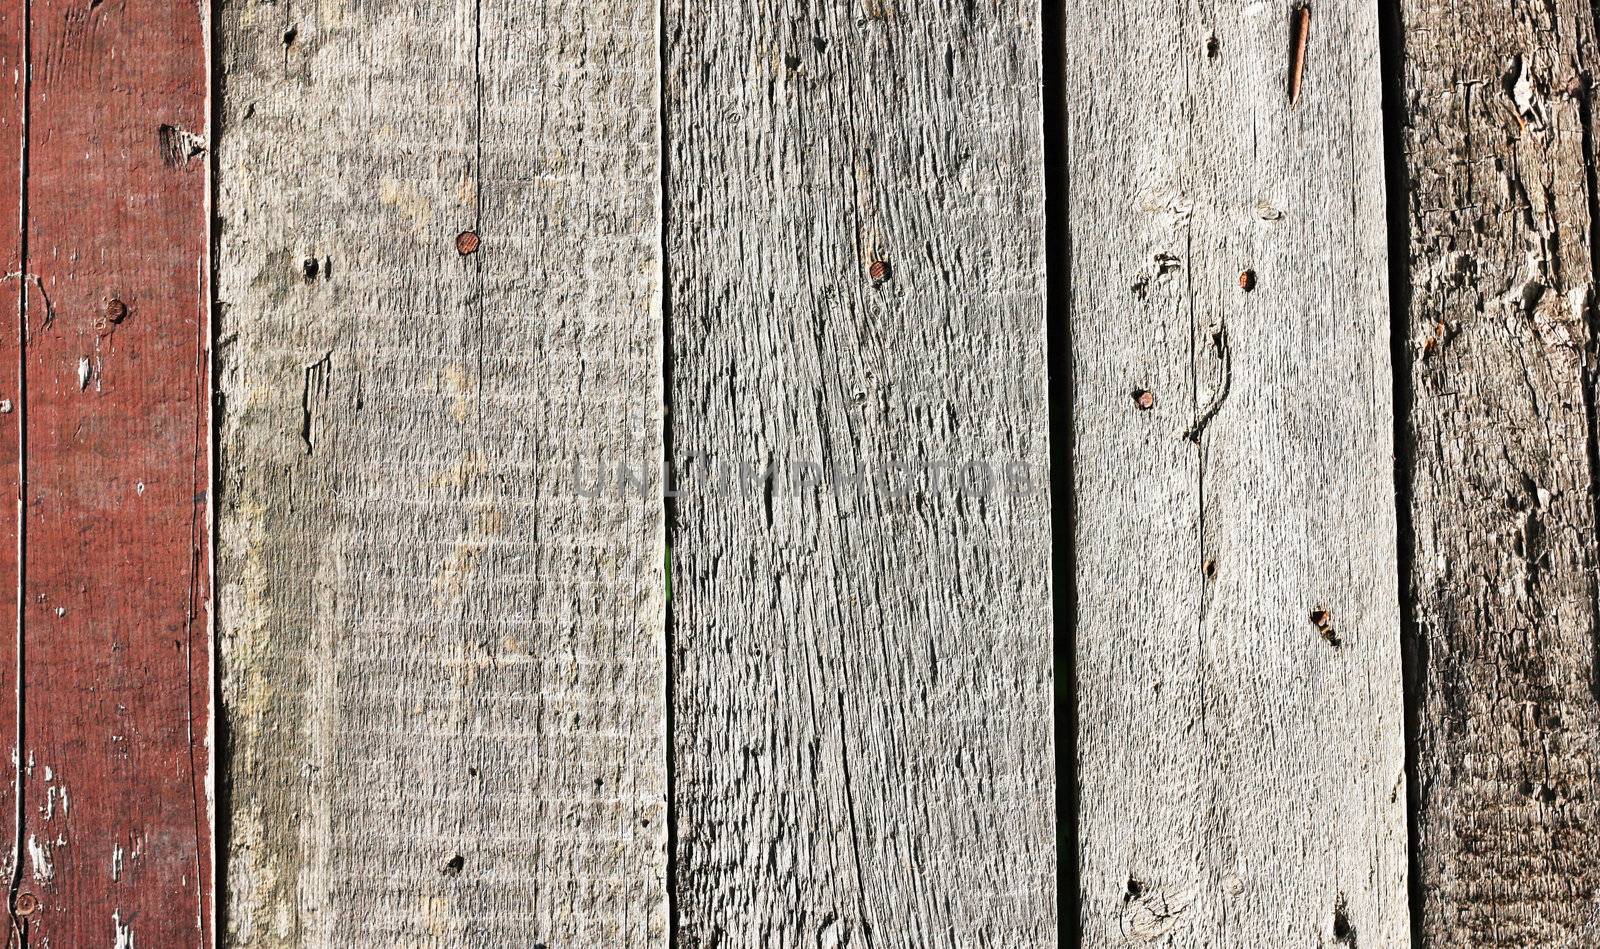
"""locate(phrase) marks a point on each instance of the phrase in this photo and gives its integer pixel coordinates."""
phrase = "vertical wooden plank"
(1500, 462)
(1239, 694)
(13, 18)
(115, 693)
(862, 672)
(442, 663)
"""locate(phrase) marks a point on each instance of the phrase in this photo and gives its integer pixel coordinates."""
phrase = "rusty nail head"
(467, 243)
(27, 904)
(1319, 618)
(1144, 399)
(1247, 280)
(116, 310)
(879, 270)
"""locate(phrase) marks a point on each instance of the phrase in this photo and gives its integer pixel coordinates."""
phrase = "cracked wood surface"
(1240, 742)
(114, 830)
(442, 674)
(862, 674)
(1499, 349)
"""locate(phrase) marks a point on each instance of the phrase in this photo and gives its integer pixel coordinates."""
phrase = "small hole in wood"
(1343, 932)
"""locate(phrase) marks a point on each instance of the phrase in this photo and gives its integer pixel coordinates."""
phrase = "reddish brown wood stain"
(115, 646)
(11, 62)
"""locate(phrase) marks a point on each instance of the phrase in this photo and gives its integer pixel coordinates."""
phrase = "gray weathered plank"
(442, 665)
(862, 682)
(1500, 432)
(1240, 756)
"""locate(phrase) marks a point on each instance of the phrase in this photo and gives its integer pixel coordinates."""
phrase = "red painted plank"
(115, 625)
(11, 73)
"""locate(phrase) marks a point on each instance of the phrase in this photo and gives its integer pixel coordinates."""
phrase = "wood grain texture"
(443, 665)
(115, 823)
(1500, 466)
(13, 56)
(861, 673)
(1240, 757)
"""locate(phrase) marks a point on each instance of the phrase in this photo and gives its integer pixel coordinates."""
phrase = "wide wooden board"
(1499, 367)
(862, 672)
(442, 666)
(1240, 743)
(114, 830)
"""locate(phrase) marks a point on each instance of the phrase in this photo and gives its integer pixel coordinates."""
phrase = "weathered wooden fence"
(962, 473)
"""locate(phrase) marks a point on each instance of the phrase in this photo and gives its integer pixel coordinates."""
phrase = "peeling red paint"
(114, 625)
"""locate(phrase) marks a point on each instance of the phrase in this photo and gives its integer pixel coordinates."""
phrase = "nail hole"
(289, 36)
(792, 61)
(1213, 47)
(309, 268)
(1343, 932)
(1209, 568)
(455, 865)
(1324, 624)
(1247, 280)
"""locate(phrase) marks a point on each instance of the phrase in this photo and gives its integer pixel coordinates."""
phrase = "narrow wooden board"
(442, 667)
(1240, 764)
(861, 674)
(1499, 441)
(115, 830)
(13, 57)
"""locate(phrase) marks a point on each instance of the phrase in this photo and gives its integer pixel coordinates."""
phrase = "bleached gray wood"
(442, 667)
(1499, 346)
(1241, 768)
(862, 682)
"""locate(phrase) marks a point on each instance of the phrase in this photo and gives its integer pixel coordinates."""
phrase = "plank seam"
(1063, 500)
(668, 509)
(1591, 184)
(218, 792)
(1391, 59)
